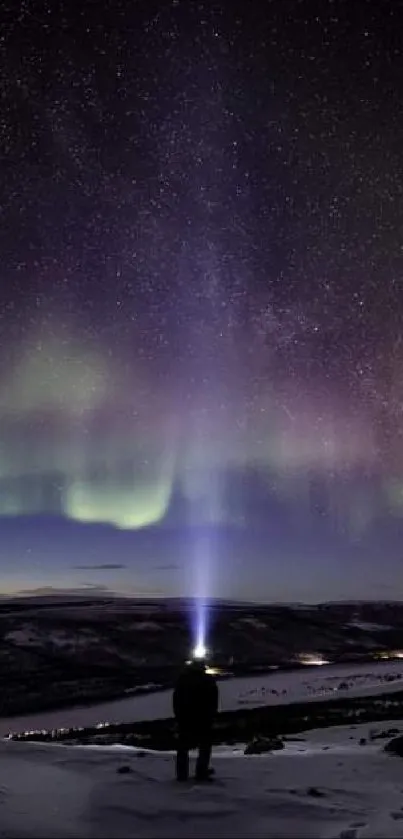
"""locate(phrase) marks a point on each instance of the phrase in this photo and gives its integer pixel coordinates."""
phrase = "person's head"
(198, 665)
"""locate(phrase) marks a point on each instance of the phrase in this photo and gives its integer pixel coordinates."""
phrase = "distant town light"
(313, 659)
(388, 655)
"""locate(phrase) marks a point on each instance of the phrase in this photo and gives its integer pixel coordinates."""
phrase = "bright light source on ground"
(199, 651)
(313, 659)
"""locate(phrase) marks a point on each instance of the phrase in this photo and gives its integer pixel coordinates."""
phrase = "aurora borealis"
(201, 299)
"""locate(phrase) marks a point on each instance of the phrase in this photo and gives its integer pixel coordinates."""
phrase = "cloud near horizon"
(53, 591)
(86, 590)
(103, 566)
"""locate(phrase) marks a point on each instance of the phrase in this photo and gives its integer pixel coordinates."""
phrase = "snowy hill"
(326, 784)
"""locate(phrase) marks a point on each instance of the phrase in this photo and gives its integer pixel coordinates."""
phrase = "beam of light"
(201, 628)
(203, 559)
(201, 485)
(201, 592)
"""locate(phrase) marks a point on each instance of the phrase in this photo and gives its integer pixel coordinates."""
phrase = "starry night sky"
(201, 298)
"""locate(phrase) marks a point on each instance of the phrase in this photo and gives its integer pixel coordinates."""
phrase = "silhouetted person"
(195, 704)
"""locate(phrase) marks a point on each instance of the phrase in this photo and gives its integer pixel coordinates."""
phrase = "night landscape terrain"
(57, 653)
(201, 405)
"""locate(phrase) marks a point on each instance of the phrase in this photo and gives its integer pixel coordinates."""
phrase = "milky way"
(201, 297)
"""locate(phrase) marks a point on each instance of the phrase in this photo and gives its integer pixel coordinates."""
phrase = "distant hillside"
(54, 651)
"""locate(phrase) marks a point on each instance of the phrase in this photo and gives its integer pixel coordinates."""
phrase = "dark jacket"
(195, 698)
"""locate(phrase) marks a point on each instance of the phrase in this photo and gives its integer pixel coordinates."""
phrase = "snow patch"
(325, 785)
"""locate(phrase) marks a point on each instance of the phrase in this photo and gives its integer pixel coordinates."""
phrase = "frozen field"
(325, 785)
(308, 684)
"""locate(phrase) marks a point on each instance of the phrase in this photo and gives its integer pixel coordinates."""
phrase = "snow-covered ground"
(313, 684)
(324, 786)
